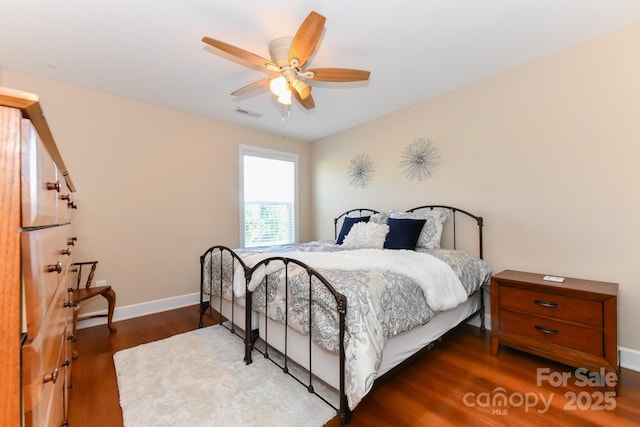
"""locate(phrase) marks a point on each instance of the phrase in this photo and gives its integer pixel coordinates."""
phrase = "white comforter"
(440, 284)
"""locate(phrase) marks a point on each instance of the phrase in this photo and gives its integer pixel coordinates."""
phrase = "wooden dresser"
(574, 322)
(36, 240)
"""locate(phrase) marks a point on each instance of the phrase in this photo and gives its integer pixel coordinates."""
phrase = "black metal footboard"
(217, 268)
(295, 271)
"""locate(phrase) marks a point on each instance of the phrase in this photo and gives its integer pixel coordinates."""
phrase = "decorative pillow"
(432, 230)
(366, 235)
(379, 218)
(403, 233)
(346, 226)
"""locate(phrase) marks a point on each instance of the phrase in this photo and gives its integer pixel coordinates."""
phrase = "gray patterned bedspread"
(380, 303)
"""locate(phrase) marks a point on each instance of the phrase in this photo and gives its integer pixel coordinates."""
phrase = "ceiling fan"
(289, 55)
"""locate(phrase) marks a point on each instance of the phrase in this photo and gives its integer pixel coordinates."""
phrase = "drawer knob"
(65, 251)
(70, 303)
(52, 377)
(72, 205)
(71, 241)
(54, 186)
(66, 363)
(547, 331)
(546, 304)
(55, 267)
(65, 197)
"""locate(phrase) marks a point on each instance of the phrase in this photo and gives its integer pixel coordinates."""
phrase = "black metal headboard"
(366, 211)
(479, 220)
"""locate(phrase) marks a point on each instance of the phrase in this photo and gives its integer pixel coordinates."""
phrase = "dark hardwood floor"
(456, 383)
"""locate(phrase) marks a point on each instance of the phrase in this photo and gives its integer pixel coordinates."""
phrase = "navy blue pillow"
(346, 226)
(403, 233)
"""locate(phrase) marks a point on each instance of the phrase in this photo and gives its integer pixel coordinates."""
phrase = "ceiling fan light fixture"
(303, 89)
(285, 98)
(278, 86)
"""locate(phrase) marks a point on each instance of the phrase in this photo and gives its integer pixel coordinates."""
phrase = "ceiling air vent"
(248, 113)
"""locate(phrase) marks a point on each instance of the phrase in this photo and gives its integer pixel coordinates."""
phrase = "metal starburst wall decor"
(418, 159)
(360, 171)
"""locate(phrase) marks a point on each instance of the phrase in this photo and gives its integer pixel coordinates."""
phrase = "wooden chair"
(84, 292)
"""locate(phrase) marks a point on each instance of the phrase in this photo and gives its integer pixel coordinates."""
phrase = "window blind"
(269, 200)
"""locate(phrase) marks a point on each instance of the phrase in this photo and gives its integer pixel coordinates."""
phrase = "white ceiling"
(151, 50)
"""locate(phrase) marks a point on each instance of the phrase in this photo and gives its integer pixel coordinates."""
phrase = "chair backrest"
(78, 269)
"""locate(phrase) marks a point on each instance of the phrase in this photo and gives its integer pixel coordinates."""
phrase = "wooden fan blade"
(307, 103)
(307, 37)
(260, 84)
(239, 53)
(339, 75)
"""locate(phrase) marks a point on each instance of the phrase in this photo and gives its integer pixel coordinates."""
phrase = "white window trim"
(243, 150)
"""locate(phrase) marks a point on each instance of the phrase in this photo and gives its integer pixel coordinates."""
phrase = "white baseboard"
(629, 358)
(142, 309)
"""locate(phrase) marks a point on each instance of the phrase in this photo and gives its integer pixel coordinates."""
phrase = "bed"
(337, 315)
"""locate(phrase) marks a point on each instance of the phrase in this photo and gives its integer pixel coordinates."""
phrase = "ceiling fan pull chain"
(288, 107)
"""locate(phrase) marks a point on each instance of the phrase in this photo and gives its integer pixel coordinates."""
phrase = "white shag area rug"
(199, 379)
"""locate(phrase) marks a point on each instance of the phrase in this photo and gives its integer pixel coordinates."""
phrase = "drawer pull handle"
(71, 241)
(547, 331)
(54, 186)
(65, 197)
(52, 377)
(55, 267)
(65, 252)
(546, 304)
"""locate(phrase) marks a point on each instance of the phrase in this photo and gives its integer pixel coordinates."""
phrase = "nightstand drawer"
(568, 335)
(562, 307)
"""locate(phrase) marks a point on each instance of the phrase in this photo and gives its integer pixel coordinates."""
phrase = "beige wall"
(156, 187)
(547, 152)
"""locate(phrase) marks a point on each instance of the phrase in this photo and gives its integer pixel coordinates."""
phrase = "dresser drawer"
(43, 372)
(44, 271)
(39, 180)
(43, 394)
(567, 335)
(562, 307)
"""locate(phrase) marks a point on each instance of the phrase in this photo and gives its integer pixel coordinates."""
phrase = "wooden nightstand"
(574, 322)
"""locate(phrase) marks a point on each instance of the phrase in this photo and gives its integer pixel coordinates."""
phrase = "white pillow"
(379, 218)
(432, 231)
(366, 235)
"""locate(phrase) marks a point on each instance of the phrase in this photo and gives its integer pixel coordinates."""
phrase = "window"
(268, 182)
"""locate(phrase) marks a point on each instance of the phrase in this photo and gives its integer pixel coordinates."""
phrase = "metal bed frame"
(283, 360)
